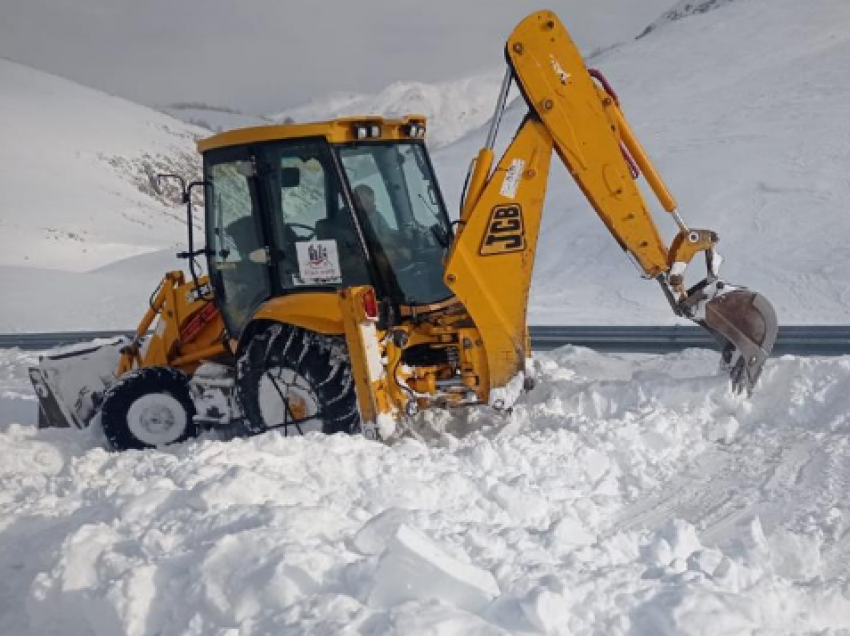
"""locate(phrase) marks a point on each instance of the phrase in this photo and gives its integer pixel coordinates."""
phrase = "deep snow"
(626, 495)
(630, 495)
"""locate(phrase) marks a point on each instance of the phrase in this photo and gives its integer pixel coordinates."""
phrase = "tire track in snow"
(791, 480)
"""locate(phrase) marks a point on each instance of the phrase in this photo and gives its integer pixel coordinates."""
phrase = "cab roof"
(342, 130)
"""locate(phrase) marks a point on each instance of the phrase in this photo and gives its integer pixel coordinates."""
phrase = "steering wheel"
(311, 231)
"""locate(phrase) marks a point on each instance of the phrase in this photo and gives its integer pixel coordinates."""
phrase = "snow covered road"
(628, 495)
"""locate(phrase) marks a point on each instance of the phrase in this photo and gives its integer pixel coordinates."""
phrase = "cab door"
(238, 258)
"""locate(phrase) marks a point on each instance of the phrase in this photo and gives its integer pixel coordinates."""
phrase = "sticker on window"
(318, 263)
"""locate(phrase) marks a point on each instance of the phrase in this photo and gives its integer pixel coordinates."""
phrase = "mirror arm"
(187, 199)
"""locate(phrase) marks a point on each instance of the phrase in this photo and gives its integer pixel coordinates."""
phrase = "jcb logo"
(505, 231)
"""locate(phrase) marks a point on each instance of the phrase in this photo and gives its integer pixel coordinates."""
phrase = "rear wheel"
(150, 407)
(297, 380)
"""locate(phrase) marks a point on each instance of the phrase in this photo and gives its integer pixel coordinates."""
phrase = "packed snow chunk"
(415, 568)
(795, 556)
(437, 619)
(372, 538)
(724, 429)
(695, 612)
(570, 533)
(526, 507)
(751, 544)
(675, 542)
(547, 611)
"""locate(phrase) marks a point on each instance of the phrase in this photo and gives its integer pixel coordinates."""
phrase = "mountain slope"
(685, 9)
(213, 118)
(73, 189)
(453, 108)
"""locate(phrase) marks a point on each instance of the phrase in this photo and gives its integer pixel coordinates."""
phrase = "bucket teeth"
(745, 324)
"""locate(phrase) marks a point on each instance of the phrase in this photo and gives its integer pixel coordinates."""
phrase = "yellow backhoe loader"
(340, 298)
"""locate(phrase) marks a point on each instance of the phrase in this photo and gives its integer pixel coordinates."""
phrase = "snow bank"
(608, 502)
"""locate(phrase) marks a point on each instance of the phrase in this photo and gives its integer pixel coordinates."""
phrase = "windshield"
(403, 217)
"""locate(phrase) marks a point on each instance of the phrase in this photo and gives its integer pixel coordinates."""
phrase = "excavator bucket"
(745, 324)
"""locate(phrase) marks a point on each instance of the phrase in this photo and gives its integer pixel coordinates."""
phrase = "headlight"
(416, 130)
(367, 130)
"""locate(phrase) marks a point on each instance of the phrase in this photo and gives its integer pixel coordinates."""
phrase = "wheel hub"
(157, 419)
(286, 398)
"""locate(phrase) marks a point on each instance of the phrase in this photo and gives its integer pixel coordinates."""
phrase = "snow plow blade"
(69, 383)
(745, 324)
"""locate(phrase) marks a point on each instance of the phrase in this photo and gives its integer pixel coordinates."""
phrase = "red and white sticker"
(318, 262)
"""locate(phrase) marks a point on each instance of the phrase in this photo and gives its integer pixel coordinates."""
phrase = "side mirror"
(153, 179)
(290, 177)
(156, 184)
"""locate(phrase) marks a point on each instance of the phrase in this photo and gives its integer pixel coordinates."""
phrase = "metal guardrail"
(793, 339)
(43, 341)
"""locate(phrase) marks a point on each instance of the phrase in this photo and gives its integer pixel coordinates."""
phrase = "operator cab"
(317, 207)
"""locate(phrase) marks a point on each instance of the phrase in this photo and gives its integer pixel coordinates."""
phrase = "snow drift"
(625, 495)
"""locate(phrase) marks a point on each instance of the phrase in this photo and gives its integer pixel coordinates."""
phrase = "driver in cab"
(391, 239)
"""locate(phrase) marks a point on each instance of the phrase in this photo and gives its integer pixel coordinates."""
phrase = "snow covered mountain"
(74, 194)
(213, 118)
(684, 9)
(453, 108)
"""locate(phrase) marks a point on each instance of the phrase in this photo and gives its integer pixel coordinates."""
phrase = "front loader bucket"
(69, 383)
(745, 324)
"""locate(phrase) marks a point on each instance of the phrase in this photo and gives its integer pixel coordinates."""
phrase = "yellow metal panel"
(636, 149)
(366, 355)
(176, 342)
(491, 262)
(319, 312)
(335, 131)
(561, 91)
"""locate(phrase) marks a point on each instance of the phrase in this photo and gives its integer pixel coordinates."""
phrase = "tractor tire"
(298, 380)
(150, 407)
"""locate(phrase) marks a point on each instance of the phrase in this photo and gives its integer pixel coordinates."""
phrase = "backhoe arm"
(575, 113)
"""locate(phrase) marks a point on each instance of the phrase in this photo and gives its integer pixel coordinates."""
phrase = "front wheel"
(297, 380)
(150, 407)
